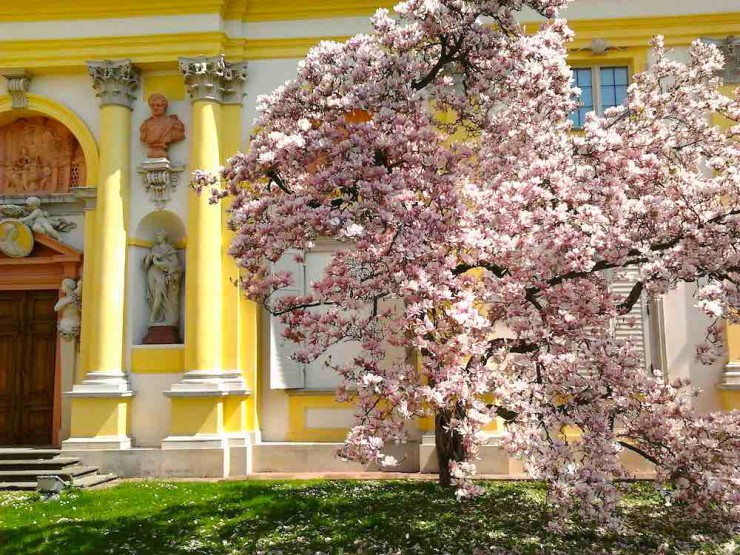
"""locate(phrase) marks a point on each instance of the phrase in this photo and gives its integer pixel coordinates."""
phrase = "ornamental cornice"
(114, 81)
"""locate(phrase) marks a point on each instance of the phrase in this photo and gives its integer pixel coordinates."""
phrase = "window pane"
(607, 76)
(608, 97)
(582, 78)
(620, 75)
(612, 86)
(621, 94)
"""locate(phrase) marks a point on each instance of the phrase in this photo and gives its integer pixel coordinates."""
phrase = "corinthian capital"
(114, 81)
(204, 77)
(234, 83)
(213, 78)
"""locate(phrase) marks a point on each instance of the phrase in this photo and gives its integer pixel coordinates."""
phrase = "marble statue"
(34, 217)
(159, 130)
(38, 220)
(164, 274)
(16, 239)
(69, 308)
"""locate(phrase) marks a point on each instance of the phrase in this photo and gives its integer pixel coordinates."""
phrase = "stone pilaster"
(199, 407)
(100, 403)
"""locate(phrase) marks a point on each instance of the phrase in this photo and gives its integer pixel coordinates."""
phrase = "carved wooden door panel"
(11, 309)
(27, 362)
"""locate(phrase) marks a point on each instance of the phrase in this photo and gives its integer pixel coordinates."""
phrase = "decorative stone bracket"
(730, 48)
(18, 85)
(160, 179)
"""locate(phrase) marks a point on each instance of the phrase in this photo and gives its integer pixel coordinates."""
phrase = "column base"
(103, 383)
(96, 443)
(209, 383)
(729, 387)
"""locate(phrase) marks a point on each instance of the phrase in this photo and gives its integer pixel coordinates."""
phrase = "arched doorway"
(46, 151)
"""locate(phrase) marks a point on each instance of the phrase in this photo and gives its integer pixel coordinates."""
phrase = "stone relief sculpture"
(39, 155)
(160, 130)
(36, 219)
(69, 308)
(163, 278)
(16, 239)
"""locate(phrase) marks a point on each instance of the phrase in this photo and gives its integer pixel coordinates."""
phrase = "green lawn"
(328, 517)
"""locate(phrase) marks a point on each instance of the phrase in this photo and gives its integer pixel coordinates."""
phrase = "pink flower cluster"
(438, 148)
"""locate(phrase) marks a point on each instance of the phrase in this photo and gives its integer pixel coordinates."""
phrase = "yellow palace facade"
(122, 338)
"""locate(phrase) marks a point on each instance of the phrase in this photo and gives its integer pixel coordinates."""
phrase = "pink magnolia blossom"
(479, 229)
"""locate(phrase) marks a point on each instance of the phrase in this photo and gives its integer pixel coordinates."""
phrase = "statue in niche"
(38, 155)
(159, 130)
(69, 308)
(163, 277)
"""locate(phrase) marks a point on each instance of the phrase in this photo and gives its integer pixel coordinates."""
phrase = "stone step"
(93, 480)
(10, 453)
(88, 481)
(17, 486)
(44, 465)
(67, 474)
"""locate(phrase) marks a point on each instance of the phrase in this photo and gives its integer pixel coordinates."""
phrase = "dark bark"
(449, 443)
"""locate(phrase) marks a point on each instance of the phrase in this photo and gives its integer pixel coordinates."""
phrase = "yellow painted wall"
(93, 417)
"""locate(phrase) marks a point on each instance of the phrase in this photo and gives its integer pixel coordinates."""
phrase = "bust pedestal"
(162, 335)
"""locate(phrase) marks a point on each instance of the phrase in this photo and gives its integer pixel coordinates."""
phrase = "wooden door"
(27, 363)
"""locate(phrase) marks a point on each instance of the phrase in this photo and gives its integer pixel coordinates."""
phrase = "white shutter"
(634, 325)
(318, 375)
(286, 373)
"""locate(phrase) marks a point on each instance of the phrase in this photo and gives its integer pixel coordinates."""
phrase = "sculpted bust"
(159, 130)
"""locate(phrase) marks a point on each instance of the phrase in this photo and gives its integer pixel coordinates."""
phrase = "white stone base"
(322, 457)
(493, 458)
(95, 443)
(201, 441)
(155, 463)
(239, 457)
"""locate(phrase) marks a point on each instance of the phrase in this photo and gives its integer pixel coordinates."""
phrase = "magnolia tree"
(480, 234)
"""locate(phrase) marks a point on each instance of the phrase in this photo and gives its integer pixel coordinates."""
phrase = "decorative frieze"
(18, 85)
(114, 81)
(213, 78)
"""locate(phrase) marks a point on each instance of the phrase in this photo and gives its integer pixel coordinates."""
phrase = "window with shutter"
(286, 373)
(634, 325)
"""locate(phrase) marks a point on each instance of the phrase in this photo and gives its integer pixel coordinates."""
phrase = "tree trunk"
(449, 444)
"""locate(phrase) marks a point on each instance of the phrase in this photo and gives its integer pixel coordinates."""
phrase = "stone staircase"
(21, 467)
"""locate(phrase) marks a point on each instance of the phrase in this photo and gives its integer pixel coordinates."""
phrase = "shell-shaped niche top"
(39, 155)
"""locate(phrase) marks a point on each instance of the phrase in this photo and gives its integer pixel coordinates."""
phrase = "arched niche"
(53, 122)
(140, 244)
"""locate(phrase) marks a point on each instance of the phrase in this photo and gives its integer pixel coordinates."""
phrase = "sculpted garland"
(510, 226)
